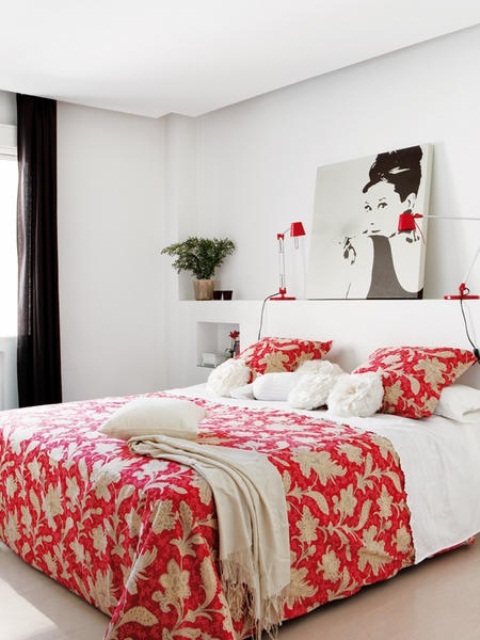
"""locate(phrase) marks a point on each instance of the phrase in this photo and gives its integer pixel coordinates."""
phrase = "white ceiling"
(152, 57)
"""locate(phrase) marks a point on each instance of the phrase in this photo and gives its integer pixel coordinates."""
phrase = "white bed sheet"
(440, 459)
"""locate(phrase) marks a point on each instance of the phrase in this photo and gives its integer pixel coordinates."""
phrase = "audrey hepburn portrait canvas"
(356, 248)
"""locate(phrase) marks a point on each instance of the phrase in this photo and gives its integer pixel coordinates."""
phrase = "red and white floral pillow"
(413, 377)
(270, 355)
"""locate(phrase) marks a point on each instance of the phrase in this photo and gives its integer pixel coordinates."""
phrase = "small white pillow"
(459, 402)
(229, 375)
(274, 386)
(356, 394)
(159, 416)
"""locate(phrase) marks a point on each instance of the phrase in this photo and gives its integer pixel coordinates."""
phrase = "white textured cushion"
(357, 394)
(274, 386)
(147, 416)
(325, 367)
(312, 388)
(459, 402)
(230, 375)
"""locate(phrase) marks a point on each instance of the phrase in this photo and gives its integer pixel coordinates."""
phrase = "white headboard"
(357, 327)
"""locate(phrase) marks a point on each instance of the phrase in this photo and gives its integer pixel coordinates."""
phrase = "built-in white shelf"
(356, 327)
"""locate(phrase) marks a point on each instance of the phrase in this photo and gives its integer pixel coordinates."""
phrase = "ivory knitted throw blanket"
(249, 496)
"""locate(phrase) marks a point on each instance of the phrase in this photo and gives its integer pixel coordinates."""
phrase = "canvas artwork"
(356, 250)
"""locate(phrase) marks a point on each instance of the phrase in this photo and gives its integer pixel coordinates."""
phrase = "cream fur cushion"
(357, 394)
(147, 416)
(315, 381)
(324, 367)
(229, 375)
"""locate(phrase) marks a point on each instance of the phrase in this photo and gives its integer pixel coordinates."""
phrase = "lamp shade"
(297, 229)
(406, 221)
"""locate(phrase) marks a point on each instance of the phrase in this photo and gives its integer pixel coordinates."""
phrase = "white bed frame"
(357, 327)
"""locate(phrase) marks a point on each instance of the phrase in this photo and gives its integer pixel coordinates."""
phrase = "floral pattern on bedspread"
(136, 537)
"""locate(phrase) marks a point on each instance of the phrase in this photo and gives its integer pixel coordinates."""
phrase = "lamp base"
(463, 294)
(282, 295)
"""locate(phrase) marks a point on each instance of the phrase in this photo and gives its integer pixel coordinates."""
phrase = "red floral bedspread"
(136, 537)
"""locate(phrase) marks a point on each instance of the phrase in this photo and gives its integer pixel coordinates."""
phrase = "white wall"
(110, 225)
(258, 159)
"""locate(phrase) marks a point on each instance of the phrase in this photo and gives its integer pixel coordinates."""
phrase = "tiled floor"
(438, 600)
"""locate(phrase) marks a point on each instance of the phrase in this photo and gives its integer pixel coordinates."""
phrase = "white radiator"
(8, 373)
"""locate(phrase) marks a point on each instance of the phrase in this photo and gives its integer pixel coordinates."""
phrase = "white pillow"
(229, 375)
(357, 394)
(274, 386)
(155, 416)
(459, 402)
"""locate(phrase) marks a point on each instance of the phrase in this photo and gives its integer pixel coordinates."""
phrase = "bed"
(137, 536)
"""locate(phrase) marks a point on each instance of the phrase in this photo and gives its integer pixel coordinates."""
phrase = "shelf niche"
(213, 339)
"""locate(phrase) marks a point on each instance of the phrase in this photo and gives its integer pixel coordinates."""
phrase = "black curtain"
(38, 351)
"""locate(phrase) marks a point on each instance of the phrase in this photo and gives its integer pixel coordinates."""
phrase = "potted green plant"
(201, 257)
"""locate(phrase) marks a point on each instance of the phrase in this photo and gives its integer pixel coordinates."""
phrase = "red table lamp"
(295, 231)
(407, 222)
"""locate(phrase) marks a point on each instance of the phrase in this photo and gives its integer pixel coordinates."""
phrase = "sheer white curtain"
(8, 267)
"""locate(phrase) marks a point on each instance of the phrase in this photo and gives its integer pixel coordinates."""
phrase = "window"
(8, 243)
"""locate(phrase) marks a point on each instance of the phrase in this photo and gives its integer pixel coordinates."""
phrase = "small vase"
(236, 348)
(203, 289)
